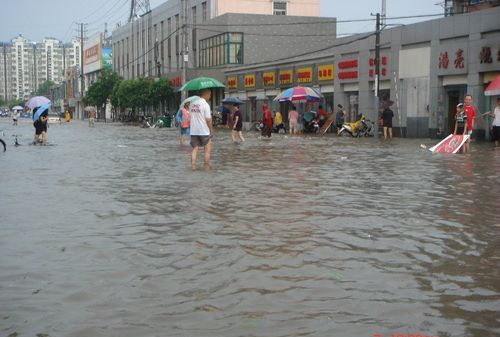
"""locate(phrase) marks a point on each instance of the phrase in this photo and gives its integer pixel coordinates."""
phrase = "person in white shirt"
(495, 135)
(201, 127)
(15, 116)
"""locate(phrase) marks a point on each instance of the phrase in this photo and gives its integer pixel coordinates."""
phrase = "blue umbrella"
(40, 111)
(232, 100)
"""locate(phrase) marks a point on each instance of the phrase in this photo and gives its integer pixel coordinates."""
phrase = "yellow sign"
(249, 81)
(232, 82)
(305, 75)
(325, 72)
(286, 77)
(268, 78)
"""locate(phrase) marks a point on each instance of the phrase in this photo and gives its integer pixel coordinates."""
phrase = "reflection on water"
(110, 233)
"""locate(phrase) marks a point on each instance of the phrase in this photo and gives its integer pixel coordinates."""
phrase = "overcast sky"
(36, 19)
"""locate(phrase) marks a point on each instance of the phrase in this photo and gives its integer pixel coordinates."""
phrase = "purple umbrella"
(37, 101)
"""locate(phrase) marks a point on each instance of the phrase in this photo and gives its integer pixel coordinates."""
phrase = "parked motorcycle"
(359, 128)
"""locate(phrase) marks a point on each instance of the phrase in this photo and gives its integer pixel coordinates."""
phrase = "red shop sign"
(348, 64)
(343, 75)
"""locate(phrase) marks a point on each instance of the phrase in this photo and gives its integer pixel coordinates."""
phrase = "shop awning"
(493, 88)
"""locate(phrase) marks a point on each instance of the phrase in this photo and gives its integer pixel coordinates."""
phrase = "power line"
(311, 51)
(263, 34)
(413, 16)
(316, 22)
(97, 10)
(147, 52)
(105, 15)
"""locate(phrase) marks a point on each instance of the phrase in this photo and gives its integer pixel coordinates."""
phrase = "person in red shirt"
(267, 119)
(321, 115)
(471, 114)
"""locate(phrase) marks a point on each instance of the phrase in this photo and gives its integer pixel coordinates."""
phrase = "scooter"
(361, 127)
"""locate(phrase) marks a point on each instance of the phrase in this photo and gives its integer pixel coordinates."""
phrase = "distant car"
(26, 114)
(54, 118)
(4, 113)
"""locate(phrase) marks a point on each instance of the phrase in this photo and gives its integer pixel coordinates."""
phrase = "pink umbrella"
(299, 93)
(493, 88)
(37, 101)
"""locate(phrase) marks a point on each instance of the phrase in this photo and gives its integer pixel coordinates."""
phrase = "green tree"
(44, 88)
(14, 102)
(134, 94)
(100, 91)
(161, 91)
(143, 93)
(113, 97)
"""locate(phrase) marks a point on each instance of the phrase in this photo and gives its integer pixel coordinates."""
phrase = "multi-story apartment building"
(23, 67)
(5, 71)
(24, 64)
(49, 60)
(72, 54)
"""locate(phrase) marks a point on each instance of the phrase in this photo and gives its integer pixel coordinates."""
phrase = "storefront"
(424, 74)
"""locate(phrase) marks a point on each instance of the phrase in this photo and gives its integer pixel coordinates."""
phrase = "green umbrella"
(200, 83)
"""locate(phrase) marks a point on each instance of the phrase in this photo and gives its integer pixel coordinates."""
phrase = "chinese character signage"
(232, 82)
(348, 69)
(268, 78)
(444, 61)
(452, 60)
(286, 77)
(325, 72)
(92, 57)
(249, 81)
(384, 61)
(304, 75)
(459, 59)
(486, 56)
(176, 81)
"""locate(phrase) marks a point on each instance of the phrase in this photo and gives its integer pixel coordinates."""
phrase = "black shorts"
(40, 127)
(496, 133)
(199, 141)
(460, 130)
(238, 127)
(387, 124)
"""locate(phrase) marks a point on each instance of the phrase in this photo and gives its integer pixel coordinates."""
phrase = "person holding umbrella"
(200, 115)
(40, 117)
(201, 127)
(182, 118)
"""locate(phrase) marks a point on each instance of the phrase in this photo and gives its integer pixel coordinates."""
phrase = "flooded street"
(110, 233)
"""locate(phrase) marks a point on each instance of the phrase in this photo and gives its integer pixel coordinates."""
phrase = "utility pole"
(377, 74)
(82, 78)
(185, 46)
(384, 12)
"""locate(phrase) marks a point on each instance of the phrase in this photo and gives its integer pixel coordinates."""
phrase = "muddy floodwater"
(108, 232)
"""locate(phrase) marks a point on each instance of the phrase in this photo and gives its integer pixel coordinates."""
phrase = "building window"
(226, 48)
(204, 11)
(279, 7)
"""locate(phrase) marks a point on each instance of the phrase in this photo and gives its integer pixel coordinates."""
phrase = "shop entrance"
(455, 95)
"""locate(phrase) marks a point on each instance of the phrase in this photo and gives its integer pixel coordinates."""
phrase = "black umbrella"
(232, 100)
